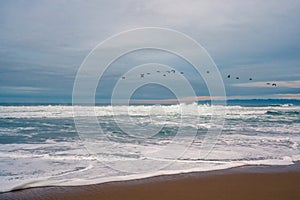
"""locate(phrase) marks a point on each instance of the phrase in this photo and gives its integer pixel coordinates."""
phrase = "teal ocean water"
(40, 145)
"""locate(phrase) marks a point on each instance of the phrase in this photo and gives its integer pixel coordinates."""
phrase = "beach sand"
(239, 183)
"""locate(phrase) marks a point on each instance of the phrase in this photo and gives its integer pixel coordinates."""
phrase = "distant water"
(39, 144)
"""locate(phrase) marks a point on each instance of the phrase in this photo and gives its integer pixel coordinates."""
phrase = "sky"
(43, 44)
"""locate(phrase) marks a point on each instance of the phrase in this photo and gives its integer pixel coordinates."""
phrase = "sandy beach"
(238, 183)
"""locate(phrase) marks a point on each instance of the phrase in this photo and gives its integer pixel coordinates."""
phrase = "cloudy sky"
(43, 43)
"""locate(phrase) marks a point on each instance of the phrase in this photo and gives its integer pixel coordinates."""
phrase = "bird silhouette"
(123, 77)
(142, 75)
(268, 83)
(274, 84)
(237, 78)
(228, 76)
(181, 73)
(250, 79)
(148, 73)
(173, 70)
(164, 75)
(207, 72)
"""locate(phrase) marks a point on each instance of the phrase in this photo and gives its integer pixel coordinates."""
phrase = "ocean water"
(40, 145)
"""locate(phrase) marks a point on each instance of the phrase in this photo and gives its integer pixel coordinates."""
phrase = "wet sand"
(239, 183)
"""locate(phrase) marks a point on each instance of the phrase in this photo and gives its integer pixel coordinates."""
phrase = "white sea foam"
(208, 166)
(40, 147)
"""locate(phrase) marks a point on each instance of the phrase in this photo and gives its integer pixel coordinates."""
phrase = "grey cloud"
(46, 41)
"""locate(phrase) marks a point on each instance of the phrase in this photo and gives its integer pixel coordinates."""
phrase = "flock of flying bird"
(164, 74)
(173, 71)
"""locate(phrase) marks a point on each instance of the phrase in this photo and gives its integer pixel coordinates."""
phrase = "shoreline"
(260, 182)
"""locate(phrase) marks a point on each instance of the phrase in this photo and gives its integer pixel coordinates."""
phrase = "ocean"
(41, 145)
